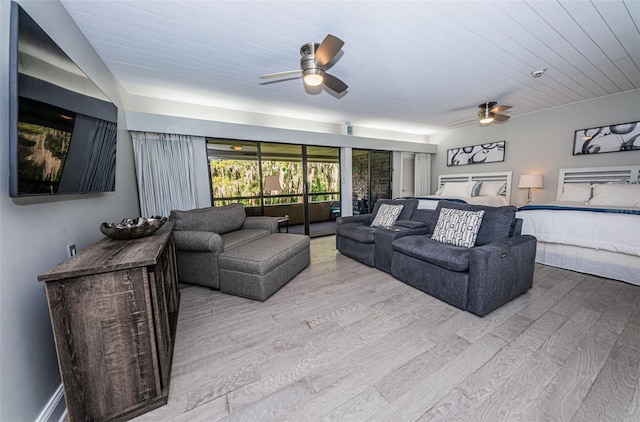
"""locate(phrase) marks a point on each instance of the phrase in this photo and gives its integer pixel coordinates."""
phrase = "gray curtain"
(165, 172)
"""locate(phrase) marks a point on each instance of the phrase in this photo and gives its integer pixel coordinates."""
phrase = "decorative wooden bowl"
(132, 228)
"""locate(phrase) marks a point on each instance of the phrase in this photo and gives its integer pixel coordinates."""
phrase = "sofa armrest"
(198, 241)
(264, 223)
(361, 219)
(410, 224)
(500, 271)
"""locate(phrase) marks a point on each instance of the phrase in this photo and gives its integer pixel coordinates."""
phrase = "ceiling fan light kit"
(313, 77)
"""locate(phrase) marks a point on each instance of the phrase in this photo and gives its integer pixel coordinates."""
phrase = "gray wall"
(542, 143)
(34, 232)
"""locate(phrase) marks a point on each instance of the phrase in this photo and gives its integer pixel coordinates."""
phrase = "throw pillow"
(387, 215)
(458, 227)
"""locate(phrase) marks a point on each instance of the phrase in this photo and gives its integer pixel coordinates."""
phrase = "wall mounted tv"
(63, 134)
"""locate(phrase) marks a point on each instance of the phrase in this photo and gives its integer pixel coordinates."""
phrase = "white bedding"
(494, 201)
(615, 232)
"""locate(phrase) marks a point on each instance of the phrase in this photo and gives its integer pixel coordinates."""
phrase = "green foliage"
(240, 178)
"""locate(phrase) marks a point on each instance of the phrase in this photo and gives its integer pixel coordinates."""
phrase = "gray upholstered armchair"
(201, 235)
(478, 279)
(357, 239)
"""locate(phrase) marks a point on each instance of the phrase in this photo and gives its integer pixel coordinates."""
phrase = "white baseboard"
(55, 410)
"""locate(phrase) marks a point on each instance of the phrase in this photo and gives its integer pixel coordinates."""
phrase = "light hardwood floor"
(345, 342)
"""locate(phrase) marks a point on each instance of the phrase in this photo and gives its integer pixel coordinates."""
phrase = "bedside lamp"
(529, 181)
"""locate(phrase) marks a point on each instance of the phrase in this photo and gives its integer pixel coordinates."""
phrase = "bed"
(493, 189)
(593, 226)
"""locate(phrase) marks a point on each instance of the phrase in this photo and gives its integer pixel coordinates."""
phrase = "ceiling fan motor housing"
(308, 61)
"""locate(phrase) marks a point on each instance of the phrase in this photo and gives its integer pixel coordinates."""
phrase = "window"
(270, 179)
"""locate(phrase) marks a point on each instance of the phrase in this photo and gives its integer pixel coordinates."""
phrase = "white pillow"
(457, 188)
(387, 215)
(616, 195)
(577, 192)
(458, 227)
(492, 188)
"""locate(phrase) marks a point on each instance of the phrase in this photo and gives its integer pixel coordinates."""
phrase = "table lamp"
(529, 181)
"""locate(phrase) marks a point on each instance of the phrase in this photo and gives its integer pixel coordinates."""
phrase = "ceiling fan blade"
(500, 108)
(334, 83)
(328, 49)
(280, 74)
(501, 118)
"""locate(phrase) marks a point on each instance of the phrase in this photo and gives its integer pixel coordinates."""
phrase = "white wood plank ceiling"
(410, 65)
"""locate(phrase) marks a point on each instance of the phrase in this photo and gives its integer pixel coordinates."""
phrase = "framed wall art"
(620, 137)
(476, 154)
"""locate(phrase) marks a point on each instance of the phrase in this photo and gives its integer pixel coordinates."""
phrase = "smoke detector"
(538, 72)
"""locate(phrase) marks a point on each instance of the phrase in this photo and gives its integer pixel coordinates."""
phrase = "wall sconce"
(272, 183)
(529, 181)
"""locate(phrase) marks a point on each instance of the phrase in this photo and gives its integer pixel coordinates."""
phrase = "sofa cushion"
(240, 237)
(262, 256)
(497, 222)
(458, 227)
(387, 215)
(212, 219)
(409, 206)
(358, 232)
(454, 258)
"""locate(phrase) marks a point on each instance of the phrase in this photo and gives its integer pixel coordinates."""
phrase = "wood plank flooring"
(345, 342)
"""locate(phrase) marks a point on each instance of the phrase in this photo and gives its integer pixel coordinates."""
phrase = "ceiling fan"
(315, 58)
(488, 113)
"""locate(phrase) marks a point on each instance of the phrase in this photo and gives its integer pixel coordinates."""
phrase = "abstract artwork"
(476, 154)
(614, 138)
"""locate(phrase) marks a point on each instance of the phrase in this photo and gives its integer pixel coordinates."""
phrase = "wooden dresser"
(114, 309)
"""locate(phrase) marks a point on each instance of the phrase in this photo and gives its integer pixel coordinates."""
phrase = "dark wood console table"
(114, 309)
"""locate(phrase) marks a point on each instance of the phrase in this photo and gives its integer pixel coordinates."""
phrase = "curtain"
(165, 172)
(422, 171)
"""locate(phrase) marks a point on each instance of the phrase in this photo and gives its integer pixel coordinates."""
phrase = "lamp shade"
(272, 182)
(530, 181)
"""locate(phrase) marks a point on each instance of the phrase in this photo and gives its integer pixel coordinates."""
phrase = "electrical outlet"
(71, 249)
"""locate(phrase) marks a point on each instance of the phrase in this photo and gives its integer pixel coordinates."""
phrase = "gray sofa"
(371, 246)
(478, 279)
(201, 235)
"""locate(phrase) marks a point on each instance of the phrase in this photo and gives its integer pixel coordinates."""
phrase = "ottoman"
(258, 269)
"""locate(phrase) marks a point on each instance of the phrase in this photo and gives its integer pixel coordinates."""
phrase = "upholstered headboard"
(620, 174)
(504, 176)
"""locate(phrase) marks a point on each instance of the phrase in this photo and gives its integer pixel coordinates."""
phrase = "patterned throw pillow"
(387, 215)
(457, 227)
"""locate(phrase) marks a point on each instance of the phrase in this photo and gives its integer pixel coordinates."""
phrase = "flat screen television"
(64, 129)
